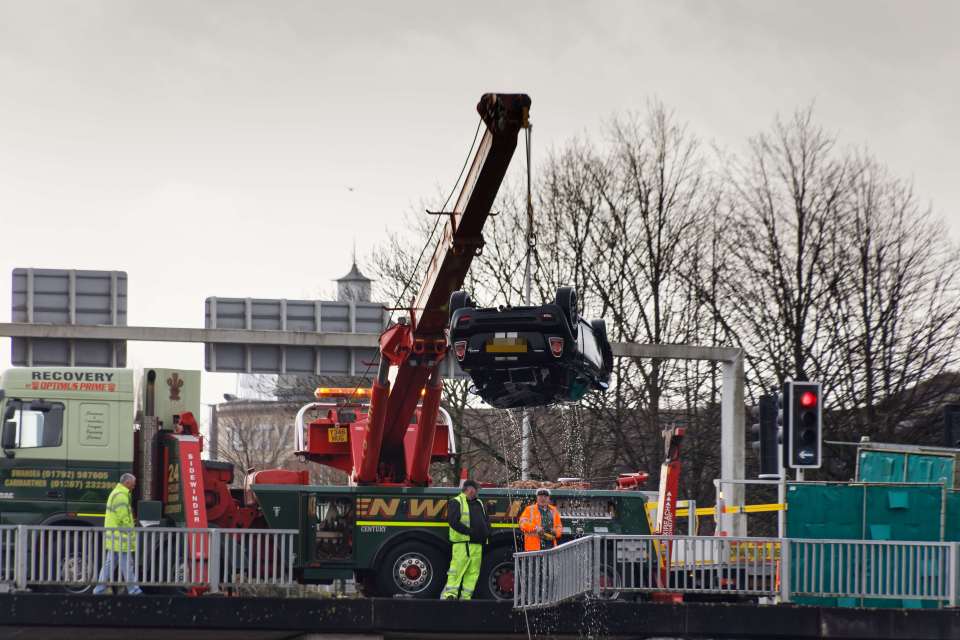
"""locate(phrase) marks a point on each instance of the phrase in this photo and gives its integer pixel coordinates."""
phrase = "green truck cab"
(67, 436)
(69, 433)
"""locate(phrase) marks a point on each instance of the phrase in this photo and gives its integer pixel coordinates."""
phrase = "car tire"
(496, 575)
(566, 299)
(600, 333)
(459, 300)
(412, 570)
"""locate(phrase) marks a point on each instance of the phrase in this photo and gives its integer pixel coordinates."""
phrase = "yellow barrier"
(709, 511)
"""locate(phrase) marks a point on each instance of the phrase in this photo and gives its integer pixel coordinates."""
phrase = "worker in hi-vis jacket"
(469, 531)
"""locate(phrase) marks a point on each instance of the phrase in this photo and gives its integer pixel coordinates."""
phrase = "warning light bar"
(336, 392)
(348, 392)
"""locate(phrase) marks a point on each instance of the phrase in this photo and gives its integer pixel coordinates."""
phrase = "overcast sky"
(240, 148)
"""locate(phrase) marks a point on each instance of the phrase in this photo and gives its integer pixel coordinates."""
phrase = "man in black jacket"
(469, 531)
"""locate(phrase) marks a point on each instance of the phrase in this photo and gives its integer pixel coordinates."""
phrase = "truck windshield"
(26, 427)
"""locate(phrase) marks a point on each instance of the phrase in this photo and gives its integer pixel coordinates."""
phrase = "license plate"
(337, 434)
(507, 345)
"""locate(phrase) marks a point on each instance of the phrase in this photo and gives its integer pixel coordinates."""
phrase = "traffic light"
(951, 425)
(803, 420)
(767, 434)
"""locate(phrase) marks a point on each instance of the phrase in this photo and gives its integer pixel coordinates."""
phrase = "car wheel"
(413, 570)
(496, 575)
(459, 300)
(600, 332)
(566, 299)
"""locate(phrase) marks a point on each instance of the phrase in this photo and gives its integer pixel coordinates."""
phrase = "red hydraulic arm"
(667, 504)
(391, 449)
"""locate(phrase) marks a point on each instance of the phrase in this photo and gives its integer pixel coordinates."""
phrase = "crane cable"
(531, 237)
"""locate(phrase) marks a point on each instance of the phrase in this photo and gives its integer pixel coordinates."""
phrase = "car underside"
(530, 356)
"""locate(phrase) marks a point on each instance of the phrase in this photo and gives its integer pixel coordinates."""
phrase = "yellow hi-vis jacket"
(456, 536)
(119, 515)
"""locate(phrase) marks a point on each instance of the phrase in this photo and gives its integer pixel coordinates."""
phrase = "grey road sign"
(69, 297)
(308, 316)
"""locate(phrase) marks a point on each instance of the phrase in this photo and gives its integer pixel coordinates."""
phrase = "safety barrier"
(78, 557)
(872, 569)
(548, 577)
(772, 568)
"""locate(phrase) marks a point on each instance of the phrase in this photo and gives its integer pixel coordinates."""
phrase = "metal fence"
(872, 569)
(548, 577)
(687, 564)
(778, 569)
(79, 557)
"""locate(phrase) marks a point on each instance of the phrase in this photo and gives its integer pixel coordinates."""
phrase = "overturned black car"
(530, 356)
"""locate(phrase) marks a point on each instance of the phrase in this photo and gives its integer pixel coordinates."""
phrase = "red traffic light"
(808, 399)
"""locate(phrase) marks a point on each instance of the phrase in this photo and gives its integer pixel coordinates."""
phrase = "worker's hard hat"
(543, 491)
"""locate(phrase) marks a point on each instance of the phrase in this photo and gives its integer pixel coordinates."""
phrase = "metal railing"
(872, 569)
(687, 564)
(553, 575)
(606, 566)
(78, 557)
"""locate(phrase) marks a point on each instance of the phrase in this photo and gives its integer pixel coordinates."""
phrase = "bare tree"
(814, 260)
(896, 312)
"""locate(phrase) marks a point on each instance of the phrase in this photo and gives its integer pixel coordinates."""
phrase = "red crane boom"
(395, 440)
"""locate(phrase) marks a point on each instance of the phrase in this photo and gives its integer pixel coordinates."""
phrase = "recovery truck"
(69, 433)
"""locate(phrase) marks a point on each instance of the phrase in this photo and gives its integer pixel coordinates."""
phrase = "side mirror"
(9, 438)
(10, 412)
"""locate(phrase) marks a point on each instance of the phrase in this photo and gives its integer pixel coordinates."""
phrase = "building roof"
(354, 275)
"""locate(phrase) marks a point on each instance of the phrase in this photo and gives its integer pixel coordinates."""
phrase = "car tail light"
(556, 347)
(463, 320)
(460, 349)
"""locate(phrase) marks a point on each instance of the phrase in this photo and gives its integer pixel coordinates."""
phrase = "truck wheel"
(75, 565)
(80, 566)
(76, 559)
(459, 300)
(413, 570)
(610, 580)
(496, 575)
(170, 565)
(566, 299)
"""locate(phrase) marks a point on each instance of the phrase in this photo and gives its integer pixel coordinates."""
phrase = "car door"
(33, 465)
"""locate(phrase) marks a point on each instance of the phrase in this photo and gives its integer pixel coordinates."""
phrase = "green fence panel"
(924, 468)
(881, 466)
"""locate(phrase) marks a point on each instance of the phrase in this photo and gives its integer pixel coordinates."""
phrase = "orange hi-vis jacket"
(530, 520)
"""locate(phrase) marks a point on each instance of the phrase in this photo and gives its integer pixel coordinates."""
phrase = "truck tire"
(413, 570)
(83, 568)
(75, 562)
(566, 299)
(167, 564)
(496, 575)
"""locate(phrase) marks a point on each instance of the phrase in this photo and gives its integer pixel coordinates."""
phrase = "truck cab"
(69, 433)
(67, 436)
